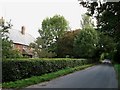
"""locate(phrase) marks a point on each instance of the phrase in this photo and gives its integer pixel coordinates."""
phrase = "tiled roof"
(17, 37)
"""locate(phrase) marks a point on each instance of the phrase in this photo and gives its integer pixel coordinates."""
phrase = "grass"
(117, 68)
(46, 77)
(46, 59)
(57, 59)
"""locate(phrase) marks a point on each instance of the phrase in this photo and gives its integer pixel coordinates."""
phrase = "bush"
(19, 69)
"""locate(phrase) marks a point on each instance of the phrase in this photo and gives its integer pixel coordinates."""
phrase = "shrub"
(19, 69)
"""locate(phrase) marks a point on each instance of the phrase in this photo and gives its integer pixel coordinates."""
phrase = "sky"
(30, 13)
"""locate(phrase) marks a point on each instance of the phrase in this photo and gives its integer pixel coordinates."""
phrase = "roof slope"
(17, 37)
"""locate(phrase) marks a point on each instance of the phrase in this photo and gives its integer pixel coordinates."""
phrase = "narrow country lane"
(99, 76)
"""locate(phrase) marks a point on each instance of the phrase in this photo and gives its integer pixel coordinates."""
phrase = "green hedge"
(13, 70)
(117, 68)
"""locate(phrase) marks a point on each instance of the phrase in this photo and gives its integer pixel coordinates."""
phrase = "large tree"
(107, 15)
(106, 45)
(52, 29)
(85, 43)
(65, 44)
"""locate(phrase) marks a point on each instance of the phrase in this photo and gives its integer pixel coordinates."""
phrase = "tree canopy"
(52, 29)
(107, 15)
(85, 43)
(65, 44)
(86, 21)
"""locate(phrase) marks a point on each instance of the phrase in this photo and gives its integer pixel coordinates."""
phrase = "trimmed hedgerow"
(13, 70)
(38, 79)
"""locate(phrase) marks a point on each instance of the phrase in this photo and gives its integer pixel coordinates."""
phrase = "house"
(21, 41)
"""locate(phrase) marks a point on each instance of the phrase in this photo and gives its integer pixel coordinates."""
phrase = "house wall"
(22, 49)
(22, 41)
(18, 47)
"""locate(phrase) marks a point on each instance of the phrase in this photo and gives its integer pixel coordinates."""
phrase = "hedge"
(13, 70)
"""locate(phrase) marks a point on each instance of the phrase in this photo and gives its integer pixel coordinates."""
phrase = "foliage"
(73, 43)
(117, 53)
(6, 48)
(65, 44)
(52, 29)
(19, 69)
(4, 26)
(103, 11)
(102, 56)
(44, 53)
(86, 21)
(105, 45)
(108, 20)
(6, 44)
(46, 77)
(85, 43)
(55, 59)
(117, 68)
(7, 51)
(41, 52)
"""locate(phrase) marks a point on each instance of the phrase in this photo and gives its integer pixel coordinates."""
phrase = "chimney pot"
(23, 30)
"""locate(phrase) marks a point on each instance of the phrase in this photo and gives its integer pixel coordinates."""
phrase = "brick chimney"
(23, 30)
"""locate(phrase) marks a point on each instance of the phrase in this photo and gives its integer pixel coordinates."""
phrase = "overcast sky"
(31, 13)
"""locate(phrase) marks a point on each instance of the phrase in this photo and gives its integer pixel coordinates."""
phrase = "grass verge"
(117, 68)
(46, 77)
(46, 59)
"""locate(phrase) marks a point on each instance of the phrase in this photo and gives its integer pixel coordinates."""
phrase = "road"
(99, 76)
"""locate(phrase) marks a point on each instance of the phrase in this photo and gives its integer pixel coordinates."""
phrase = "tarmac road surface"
(99, 76)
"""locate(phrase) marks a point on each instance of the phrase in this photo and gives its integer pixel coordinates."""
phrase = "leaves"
(86, 21)
(85, 43)
(107, 15)
(65, 44)
(20, 69)
(52, 29)
(7, 51)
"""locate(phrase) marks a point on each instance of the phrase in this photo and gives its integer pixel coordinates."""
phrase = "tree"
(106, 45)
(86, 21)
(65, 44)
(107, 16)
(6, 44)
(103, 11)
(4, 26)
(6, 50)
(85, 43)
(52, 29)
(40, 50)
